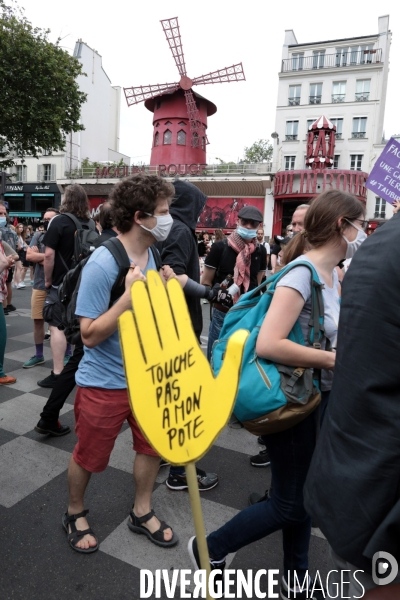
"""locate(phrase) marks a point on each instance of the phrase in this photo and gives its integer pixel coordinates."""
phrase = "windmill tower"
(180, 114)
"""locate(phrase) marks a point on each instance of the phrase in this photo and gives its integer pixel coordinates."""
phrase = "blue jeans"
(215, 328)
(290, 452)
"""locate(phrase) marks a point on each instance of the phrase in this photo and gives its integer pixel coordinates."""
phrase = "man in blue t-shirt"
(141, 213)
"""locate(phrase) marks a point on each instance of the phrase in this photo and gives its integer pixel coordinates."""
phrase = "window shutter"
(53, 173)
(40, 172)
(24, 173)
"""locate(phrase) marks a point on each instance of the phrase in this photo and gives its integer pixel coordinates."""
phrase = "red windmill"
(176, 105)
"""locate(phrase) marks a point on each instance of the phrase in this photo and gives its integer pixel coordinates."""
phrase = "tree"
(40, 100)
(260, 151)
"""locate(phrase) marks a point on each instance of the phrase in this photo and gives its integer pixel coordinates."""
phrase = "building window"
(158, 104)
(181, 138)
(46, 152)
(341, 56)
(355, 55)
(297, 61)
(168, 123)
(318, 59)
(20, 171)
(294, 95)
(359, 127)
(356, 162)
(167, 137)
(339, 91)
(46, 172)
(195, 139)
(289, 162)
(182, 123)
(157, 124)
(157, 139)
(203, 143)
(339, 127)
(309, 123)
(292, 128)
(315, 93)
(366, 54)
(380, 208)
(362, 90)
(336, 161)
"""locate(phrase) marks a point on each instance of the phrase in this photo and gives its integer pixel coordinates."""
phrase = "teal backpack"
(272, 397)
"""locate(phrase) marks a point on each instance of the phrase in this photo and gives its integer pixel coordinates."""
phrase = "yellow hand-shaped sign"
(179, 404)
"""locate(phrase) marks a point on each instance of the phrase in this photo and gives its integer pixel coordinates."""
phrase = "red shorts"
(99, 415)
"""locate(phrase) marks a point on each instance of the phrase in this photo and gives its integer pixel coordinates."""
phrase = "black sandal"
(75, 534)
(135, 524)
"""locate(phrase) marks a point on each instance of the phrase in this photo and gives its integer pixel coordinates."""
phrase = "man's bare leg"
(58, 344)
(78, 479)
(145, 469)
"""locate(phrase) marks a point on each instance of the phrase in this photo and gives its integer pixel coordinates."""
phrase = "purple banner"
(384, 178)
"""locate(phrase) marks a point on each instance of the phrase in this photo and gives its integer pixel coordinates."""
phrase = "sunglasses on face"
(250, 222)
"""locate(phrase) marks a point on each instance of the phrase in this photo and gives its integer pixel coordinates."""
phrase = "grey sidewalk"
(36, 561)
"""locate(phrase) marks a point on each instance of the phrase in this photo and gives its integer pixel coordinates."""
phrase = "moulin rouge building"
(328, 131)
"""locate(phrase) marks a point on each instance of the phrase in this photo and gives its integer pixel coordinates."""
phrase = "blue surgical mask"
(3, 221)
(246, 234)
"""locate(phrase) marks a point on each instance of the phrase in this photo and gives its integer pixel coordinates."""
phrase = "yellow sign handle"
(194, 494)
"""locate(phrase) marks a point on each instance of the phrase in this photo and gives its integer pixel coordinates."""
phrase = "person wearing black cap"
(242, 258)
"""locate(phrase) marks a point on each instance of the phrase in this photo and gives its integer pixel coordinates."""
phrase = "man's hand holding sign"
(179, 404)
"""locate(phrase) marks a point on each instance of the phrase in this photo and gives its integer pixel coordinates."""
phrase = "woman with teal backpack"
(334, 229)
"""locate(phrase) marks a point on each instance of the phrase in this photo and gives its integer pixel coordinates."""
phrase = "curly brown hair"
(76, 202)
(137, 193)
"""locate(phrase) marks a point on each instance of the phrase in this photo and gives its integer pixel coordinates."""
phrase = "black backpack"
(84, 240)
(69, 288)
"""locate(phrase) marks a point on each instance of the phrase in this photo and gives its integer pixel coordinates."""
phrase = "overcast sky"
(215, 34)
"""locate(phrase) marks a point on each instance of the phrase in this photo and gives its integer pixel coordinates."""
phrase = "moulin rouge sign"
(163, 170)
(309, 182)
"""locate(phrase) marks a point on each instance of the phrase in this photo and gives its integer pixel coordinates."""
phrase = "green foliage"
(260, 151)
(225, 167)
(40, 100)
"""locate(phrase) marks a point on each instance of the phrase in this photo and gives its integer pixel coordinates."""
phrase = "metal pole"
(3, 180)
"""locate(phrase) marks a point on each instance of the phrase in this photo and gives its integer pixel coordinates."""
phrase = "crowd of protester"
(338, 466)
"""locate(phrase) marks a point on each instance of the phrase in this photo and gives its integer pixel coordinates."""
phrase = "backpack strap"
(316, 322)
(157, 257)
(118, 251)
(90, 224)
(73, 218)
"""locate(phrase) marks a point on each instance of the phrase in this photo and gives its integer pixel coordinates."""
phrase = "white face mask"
(353, 246)
(162, 228)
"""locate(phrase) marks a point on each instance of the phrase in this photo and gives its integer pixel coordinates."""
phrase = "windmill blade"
(173, 35)
(134, 95)
(197, 128)
(227, 75)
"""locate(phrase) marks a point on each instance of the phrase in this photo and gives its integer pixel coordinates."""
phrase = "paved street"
(36, 561)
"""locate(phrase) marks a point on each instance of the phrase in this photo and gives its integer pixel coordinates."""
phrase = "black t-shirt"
(222, 258)
(60, 237)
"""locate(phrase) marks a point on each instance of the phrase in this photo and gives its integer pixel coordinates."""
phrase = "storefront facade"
(28, 201)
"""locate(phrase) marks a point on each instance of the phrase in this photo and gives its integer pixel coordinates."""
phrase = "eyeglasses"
(364, 224)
